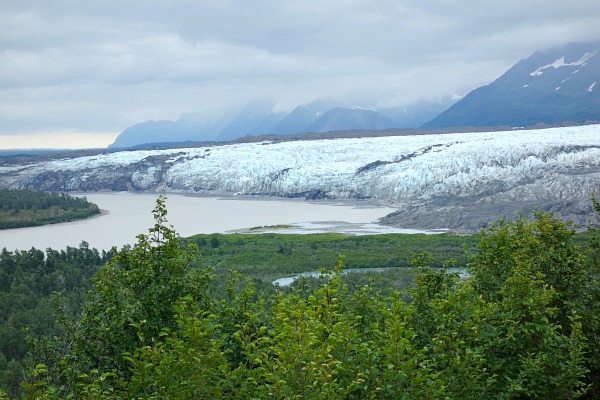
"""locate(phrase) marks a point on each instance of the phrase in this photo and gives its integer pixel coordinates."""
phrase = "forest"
(165, 319)
(32, 285)
(22, 207)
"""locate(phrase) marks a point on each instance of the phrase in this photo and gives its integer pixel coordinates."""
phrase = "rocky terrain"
(460, 181)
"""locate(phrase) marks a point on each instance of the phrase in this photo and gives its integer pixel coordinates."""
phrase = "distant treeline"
(23, 207)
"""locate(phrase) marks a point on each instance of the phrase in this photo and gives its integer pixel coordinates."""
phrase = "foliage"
(547, 251)
(521, 325)
(29, 283)
(545, 247)
(22, 207)
(590, 302)
(272, 255)
(130, 304)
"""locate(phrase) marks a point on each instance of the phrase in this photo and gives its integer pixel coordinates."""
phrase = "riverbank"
(21, 208)
(130, 214)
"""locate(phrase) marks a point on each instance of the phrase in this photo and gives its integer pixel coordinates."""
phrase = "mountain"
(415, 115)
(341, 119)
(560, 85)
(189, 127)
(149, 132)
(303, 116)
(254, 119)
(258, 118)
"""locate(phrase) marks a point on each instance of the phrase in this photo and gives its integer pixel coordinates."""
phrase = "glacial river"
(288, 280)
(128, 214)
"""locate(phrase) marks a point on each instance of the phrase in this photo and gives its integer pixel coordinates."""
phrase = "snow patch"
(560, 62)
(525, 85)
(591, 87)
(557, 88)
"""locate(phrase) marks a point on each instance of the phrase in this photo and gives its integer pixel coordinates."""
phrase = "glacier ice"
(393, 169)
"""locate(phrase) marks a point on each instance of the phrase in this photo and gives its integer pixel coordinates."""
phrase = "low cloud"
(102, 66)
(57, 139)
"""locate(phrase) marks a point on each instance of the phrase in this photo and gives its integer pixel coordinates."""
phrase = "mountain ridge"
(338, 119)
(258, 119)
(554, 86)
(558, 86)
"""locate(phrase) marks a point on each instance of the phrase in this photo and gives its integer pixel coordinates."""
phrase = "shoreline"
(126, 214)
(100, 213)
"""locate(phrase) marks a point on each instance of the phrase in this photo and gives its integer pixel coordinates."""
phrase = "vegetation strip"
(21, 208)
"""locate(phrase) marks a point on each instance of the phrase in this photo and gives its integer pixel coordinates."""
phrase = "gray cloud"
(101, 66)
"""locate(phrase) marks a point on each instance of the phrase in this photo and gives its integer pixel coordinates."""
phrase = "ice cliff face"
(561, 164)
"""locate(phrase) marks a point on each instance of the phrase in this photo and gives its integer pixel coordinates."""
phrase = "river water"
(288, 280)
(129, 214)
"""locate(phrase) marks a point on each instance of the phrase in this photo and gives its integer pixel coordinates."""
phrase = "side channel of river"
(288, 280)
(129, 214)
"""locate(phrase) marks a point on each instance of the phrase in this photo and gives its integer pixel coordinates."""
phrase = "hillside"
(555, 86)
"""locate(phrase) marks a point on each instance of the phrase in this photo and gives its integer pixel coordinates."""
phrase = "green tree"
(590, 295)
(538, 279)
(546, 247)
(131, 302)
(512, 329)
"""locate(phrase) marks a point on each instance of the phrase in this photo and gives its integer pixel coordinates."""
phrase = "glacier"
(413, 172)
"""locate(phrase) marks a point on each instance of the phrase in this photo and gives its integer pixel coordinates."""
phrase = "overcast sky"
(76, 73)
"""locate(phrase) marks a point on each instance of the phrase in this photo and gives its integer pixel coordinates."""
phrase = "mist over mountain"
(303, 116)
(255, 118)
(415, 115)
(560, 85)
(341, 119)
(151, 131)
(557, 86)
(258, 118)
(189, 127)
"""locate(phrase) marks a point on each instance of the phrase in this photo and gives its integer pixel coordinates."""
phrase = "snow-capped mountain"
(556, 86)
(559, 167)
